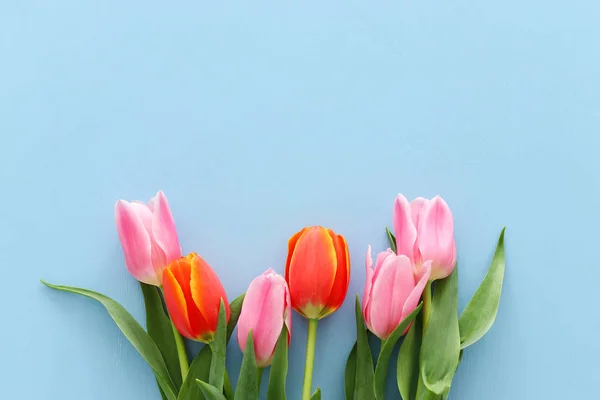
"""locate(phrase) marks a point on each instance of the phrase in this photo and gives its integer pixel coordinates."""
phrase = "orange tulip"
(193, 294)
(317, 271)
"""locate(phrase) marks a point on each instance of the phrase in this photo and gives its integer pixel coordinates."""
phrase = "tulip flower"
(266, 310)
(148, 236)
(391, 291)
(193, 294)
(425, 232)
(317, 272)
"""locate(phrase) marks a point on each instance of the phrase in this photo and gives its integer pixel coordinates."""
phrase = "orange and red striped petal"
(207, 292)
(312, 271)
(176, 304)
(291, 246)
(342, 276)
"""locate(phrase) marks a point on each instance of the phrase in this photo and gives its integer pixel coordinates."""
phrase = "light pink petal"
(136, 243)
(288, 312)
(143, 211)
(404, 228)
(417, 207)
(263, 312)
(163, 228)
(413, 299)
(382, 256)
(436, 238)
(391, 287)
(368, 285)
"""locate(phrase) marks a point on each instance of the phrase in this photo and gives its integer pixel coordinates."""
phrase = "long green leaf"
(210, 392)
(218, 347)
(316, 395)
(387, 346)
(407, 370)
(227, 387)
(350, 374)
(391, 238)
(279, 368)
(134, 332)
(363, 383)
(160, 330)
(200, 368)
(441, 339)
(480, 314)
(247, 385)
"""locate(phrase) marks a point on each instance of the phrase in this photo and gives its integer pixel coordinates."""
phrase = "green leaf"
(160, 330)
(480, 314)
(247, 385)
(363, 383)
(316, 395)
(350, 374)
(279, 368)
(134, 332)
(218, 347)
(387, 346)
(227, 387)
(407, 371)
(441, 339)
(200, 368)
(391, 238)
(210, 392)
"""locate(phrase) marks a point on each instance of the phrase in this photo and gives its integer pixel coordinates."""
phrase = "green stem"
(426, 306)
(183, 359)
(310, 358)
(260, 374)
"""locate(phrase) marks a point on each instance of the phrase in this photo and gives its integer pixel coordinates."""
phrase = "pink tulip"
(148, 237)
(266, 309)
(391, 292)
(425, 232)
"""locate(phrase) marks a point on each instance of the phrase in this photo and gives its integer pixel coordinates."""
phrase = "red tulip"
(193, 294)
(317, 271)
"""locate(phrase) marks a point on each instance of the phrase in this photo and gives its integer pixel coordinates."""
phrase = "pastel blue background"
(258, 118)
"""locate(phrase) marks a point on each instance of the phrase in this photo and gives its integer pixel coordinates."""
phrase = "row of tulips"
(399, 285)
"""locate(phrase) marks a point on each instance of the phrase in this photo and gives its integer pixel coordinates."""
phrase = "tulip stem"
(310, 358)
(182, 355)
(260, 374)
(426, 305)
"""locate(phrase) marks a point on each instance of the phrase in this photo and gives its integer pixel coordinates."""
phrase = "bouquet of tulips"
(411, 290)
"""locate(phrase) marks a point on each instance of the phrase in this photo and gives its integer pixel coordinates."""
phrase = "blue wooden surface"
(258, 118)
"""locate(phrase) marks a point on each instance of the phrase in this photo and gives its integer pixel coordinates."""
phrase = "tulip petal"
(263, 312)
(207, 291)
(392, 284)
(312, 271)
(291, 246)
(413, 299)
(288, 312)
(368, 286)
(404, 228)
(175, 300)
(417, 208)
(137, 246)
(342, 276)
(436, 238)
(163, 228)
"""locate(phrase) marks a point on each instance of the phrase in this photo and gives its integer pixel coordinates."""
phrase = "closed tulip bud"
(193, 294)
(425, 232)
(391, 291)
(317, 271)
(265, 311)
(148, 236)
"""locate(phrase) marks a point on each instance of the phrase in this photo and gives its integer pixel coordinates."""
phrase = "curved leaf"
(160, 330)
(407, 370)
(218, 347)
(363, 383)
(441, 340)
(387, 346)
(210, 392)
(391, 238)
(350, 374)
(134, 332)
(247, 385)
(480, 314)
(279, 368)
